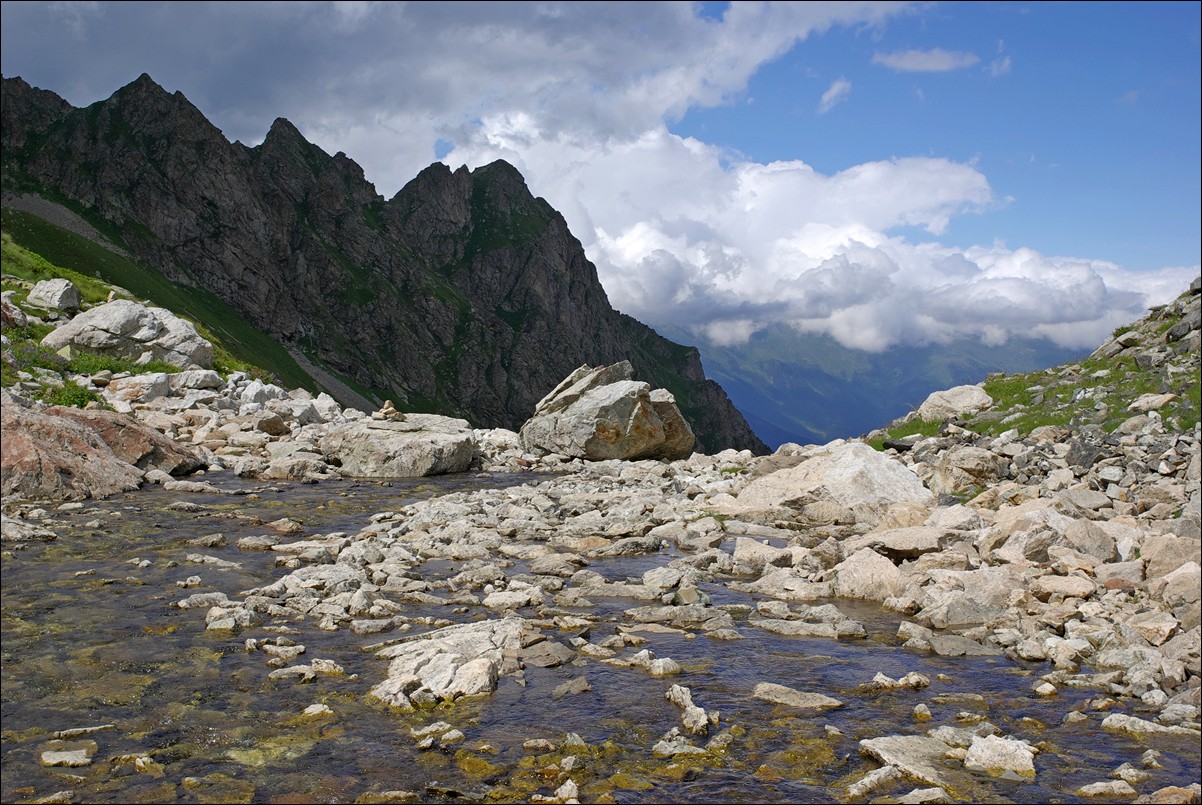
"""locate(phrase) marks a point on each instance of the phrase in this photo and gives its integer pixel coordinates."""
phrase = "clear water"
(90, 638)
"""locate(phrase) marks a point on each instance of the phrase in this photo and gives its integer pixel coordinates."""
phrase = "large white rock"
(600, 414)
(868, 575)
(128, 329)
(852, 475)
(422, 444)
(55, 294)
(918, 757)
(954, 401)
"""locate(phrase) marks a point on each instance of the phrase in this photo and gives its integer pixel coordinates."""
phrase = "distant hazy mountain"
(807, 388)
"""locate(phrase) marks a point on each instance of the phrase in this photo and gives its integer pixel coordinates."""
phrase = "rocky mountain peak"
(463, 294)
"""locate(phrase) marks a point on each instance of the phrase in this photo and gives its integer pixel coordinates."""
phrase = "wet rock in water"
(317, 711)
(694, 719)
(673, 744)
(390, 797)
(913, 681)
(68, 753)
(646, 660)
(1119, 722)
(916, 756)
(14, 530)
(1007, 758)
(307, 673)
(872, 781)
(455, 661)
(218, 787)
(924, 796)
(943, 644)
(1172, 795)
(572, 687)
(220, 618)
(1110, 788)
(780, 694)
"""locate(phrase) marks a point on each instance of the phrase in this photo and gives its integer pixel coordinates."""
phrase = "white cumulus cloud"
(836, 93)
(936, 60)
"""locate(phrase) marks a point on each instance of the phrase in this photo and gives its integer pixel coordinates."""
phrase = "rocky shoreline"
(1071, 550)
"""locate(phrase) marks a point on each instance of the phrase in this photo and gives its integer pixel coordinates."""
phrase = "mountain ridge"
(463, 293)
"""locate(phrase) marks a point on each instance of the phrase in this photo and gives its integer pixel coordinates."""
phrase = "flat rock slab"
(918, 757)
(780, 694)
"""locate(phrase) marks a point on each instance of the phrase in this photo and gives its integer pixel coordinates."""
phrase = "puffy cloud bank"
(683, 234)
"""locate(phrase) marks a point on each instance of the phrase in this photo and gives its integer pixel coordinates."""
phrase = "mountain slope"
(807, 388)
(1149, 368)
(462, 294)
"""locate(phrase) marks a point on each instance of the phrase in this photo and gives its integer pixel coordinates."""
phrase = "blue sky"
(1086, 115)
(885, 173)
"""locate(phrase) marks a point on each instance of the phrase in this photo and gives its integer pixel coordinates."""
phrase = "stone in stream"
(1007, 758)
(780, 694)
(572, 687)
(918, 757)
(1110, 788)
(455, 661)
(422, 444)
(694, 719)
(872, 781)
(68, 753)
(646, 659)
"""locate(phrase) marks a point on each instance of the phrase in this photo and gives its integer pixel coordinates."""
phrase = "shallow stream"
(90, 639)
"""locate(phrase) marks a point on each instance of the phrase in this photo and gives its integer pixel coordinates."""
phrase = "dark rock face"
(463, 294)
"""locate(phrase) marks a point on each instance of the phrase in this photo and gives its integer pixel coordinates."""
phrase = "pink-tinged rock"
(45, 456)
(10, 314)
(135, 443)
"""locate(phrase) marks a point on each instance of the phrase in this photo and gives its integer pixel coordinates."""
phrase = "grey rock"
(128, 329)
(781, 694)
(423, 444)
(55, 294)
(601, 414)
